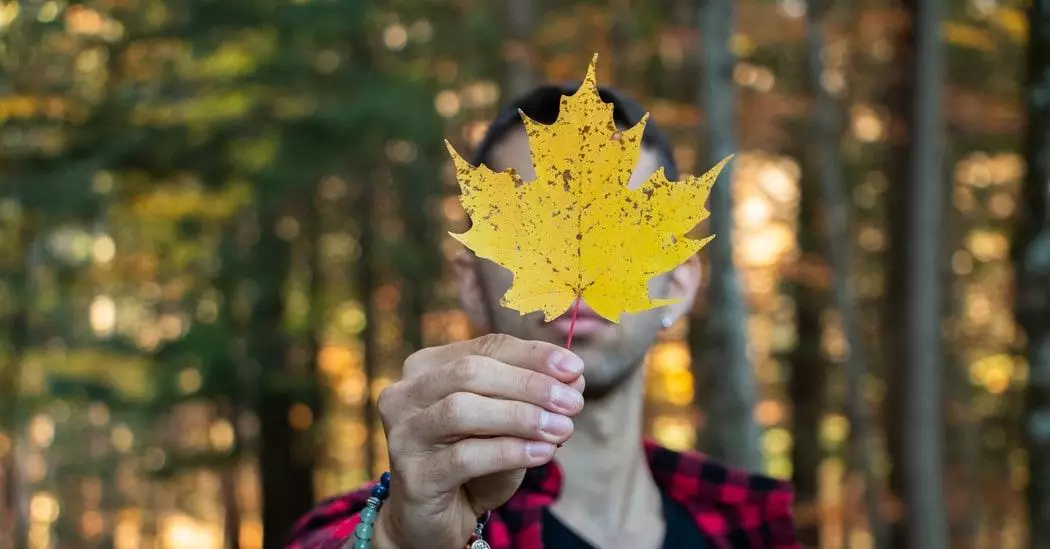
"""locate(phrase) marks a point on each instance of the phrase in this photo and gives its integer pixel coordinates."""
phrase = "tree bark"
(923, 436)
(720, 337)
(521, 76)
(366, 282)
(807, 387)
(826, 136)
(1032, 260)
(232, 276)
(900, 94)
(620, 43)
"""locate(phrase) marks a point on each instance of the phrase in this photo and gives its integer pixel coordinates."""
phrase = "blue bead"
(363, 531)
(385, 478)
(368, 515)
(362, 544)
(380, 491)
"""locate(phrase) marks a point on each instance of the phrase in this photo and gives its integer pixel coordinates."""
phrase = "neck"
(608, 493)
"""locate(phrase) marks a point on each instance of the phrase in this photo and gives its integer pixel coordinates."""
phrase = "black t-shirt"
(682, 532)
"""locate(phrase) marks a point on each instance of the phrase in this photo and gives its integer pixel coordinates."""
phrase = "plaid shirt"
(732, 508)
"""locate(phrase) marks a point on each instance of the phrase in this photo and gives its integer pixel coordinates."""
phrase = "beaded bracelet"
(362, 538)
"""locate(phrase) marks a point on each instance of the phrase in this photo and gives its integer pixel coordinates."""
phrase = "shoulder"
(694, 473)
(728, 502)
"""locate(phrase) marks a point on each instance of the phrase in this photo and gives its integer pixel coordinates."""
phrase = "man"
(474, 426)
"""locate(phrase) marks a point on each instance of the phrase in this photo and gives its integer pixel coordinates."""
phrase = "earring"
(667, 321)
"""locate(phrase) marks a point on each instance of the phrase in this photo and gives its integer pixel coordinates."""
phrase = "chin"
(601, 385)
(604, 371)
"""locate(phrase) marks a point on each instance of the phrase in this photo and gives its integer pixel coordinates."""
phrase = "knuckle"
(465, 369)
(490, 344)
(411, 366)
(528, 417)
(418, 362)
(461, 458)
(509, 453)
(535, 385)
(386, 402)
(454, 406)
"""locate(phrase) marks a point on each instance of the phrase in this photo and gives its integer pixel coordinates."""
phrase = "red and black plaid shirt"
(732, 508)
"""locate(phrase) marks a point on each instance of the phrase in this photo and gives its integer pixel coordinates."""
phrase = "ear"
(683, 285)
(471, 289)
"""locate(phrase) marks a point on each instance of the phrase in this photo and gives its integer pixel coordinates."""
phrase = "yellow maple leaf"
(578, 230)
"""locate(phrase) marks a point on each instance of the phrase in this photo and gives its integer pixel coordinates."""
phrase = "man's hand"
(462, 425)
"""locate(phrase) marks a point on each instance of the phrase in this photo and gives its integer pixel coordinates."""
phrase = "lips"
(587, 322)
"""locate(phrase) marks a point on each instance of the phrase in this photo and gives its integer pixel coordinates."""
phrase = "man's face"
(610, 351)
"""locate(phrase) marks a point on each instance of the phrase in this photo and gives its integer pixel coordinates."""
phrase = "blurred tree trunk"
(809, 369)
(421, 267)
(287, 473)
(825, 162)
(13, 523)
(620, 44)
(900, 98)
(366, 283)
(231, 523)
(234, 317)
(718, 339)
(1032, 258)
(914, 317)
(521, 73)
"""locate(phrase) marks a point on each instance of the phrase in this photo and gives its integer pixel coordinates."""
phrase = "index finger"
(539, 356)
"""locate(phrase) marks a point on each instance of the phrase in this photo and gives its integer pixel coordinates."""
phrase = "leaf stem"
(572, 323)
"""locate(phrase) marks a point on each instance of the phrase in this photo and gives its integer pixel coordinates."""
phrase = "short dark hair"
(543, 103)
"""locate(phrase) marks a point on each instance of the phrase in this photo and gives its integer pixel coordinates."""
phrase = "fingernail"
(566, 398)
(566, 362)
(539, 449)
(555, 424)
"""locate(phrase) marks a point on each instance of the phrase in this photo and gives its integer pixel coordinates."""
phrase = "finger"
(465, 415)
(477, 457)
(488, 377)
(538, 356)
(579, 384)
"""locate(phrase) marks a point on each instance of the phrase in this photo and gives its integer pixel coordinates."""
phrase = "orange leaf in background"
(578, 230)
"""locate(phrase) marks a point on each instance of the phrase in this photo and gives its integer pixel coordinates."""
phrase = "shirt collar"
(689, 478)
